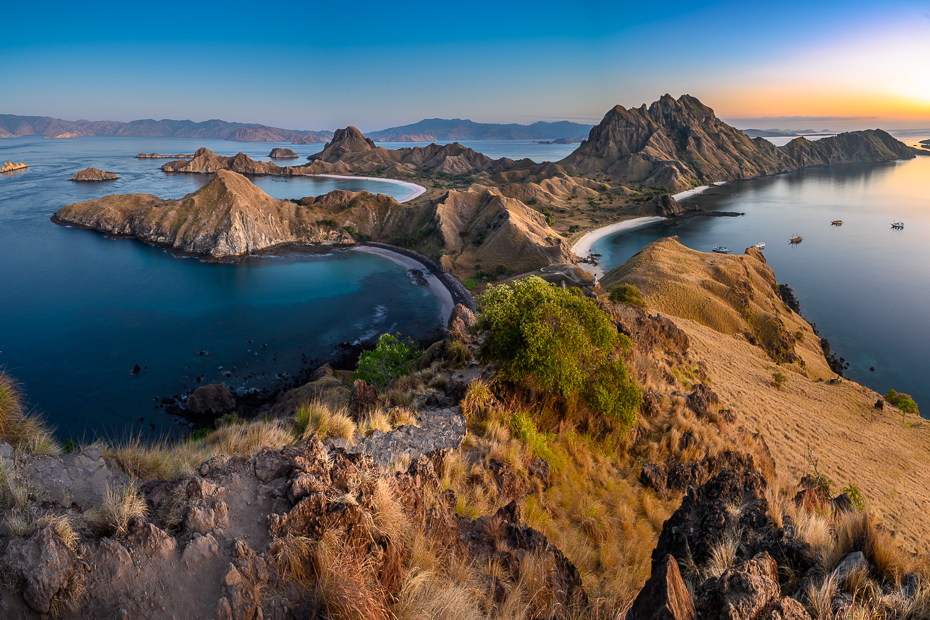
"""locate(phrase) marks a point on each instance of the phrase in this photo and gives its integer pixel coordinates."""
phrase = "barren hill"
(721, 302)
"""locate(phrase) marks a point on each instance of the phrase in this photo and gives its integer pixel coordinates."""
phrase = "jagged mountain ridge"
(12, 125)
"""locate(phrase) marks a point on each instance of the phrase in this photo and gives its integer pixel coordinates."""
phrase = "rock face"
(664, 206)
(280, 153)
(681, 143)
(10, 166)
(46, 565)
(92, 175)
(82, 478)
(664, 596)
(211, 400)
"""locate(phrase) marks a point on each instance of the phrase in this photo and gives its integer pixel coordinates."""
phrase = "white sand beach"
(416, 190)
(583, 247)
(695, 191)
(435, 285)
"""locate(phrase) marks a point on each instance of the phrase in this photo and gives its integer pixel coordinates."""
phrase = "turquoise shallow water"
(79, 310)
(866, 286)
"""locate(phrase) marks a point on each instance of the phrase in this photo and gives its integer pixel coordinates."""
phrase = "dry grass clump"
(171, 460)
(348, 589)
(375, 420)
(319, 418)
(120, 506)
(23, 430)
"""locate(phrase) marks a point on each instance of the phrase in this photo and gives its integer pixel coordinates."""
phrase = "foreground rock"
(45, 564)
(10, 166)
(92, 175)
(664, 596)
(280, 153)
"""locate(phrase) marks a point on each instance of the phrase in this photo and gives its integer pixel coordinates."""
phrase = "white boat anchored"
(719, 249)
(760, 245)
(897, 225)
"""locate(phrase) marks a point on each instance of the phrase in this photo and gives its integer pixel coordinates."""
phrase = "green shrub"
(853, 492)
(470, 284)
(902, 401)
(558, 341)
(330, 223)
(532, 201)
(390, 360)
(627, 294)
(779, 379)
(500, 270)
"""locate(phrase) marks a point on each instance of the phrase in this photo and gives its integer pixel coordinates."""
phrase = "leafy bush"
(532, 201)
(853, 492)
(390, 360)
(558, 341)
(470, 284)
(902, 401)
(330, 223)
(779, 379)
(627, 294)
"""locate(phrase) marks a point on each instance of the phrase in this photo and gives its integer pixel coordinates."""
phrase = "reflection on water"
(865, 285)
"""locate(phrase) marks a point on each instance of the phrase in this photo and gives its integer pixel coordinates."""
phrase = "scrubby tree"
(557, 341)
(390, 360)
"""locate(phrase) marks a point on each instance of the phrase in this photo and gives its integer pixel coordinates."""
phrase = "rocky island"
(159, 156)
(92, 175)
(9, 166)
(280, 153)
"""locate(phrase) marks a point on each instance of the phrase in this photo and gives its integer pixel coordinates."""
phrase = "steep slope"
(681, 143)
(814, 419)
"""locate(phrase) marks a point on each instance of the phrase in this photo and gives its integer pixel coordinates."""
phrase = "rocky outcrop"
(10, 166)
(64, 135)
(45, 564)
(211, 401)
(678, 144)
(664, 596)
(281, 153)
(228, 217)
(92, 175)
(81, 478)
(663, 206)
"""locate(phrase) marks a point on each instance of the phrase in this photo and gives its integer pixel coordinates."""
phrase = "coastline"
(416, 190)
(437, 286)
(582, 247)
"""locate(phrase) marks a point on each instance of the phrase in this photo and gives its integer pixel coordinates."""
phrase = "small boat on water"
(796, 239)
(837, 222)
(760, 245)
(897, 225)
(719, 249)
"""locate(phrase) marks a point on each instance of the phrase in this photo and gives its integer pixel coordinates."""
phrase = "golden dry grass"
(324, 420)
(20, 428)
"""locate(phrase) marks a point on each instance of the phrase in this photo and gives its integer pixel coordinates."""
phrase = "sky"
(836, 64)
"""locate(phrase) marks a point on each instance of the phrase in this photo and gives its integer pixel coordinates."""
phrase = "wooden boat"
(837, 222)
(897, 225)
(796, 240)
(719, 249)
(760, 245)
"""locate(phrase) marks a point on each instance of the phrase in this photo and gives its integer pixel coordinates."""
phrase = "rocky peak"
(348, 140)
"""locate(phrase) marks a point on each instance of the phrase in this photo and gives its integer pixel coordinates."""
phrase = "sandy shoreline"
(416, 190)
(583, 246)
(435, 285)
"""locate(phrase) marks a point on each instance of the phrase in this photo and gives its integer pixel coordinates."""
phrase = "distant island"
(785, 133)
(12, 167)
(559, 141)
(925, 144)
(160, 156)
(13, 126)
(92, 175)
(440, 129)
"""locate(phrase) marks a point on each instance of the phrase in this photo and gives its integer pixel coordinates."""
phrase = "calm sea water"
(78, 311)
(866, 286)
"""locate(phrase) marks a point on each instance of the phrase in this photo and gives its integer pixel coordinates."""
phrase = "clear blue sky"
(308, 65)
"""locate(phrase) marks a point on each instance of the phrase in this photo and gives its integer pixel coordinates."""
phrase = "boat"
(796, 239)
(837, 222)
(760, 245)
(898, 225)
(719, 249)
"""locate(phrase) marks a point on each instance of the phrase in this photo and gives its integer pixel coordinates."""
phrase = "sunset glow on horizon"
(376, 66)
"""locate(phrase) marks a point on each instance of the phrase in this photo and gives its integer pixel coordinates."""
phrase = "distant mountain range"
(440, 129)
(12, 126)
(783, 133)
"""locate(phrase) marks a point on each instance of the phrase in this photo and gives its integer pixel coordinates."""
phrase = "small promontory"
(280, 153)
(92, 175)
(10, 166)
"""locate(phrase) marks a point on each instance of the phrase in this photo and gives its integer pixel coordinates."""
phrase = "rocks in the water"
(10, 166)
(45, 564)
(281, 153)
(664, 595)
(136, 369)
(214, 399)
(92, 175)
